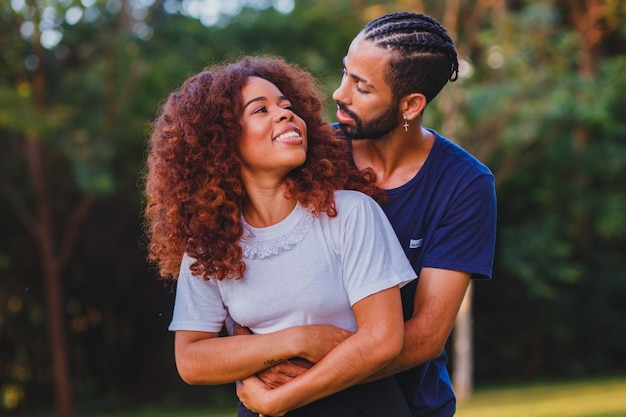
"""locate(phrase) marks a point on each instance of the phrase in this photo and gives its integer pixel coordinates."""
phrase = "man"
(441, 202)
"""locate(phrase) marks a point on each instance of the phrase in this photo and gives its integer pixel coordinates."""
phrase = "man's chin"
(349, 132)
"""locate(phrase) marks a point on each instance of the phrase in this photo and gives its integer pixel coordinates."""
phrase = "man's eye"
(360, 90)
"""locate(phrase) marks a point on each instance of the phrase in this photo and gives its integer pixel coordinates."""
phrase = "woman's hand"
(316, 340)
(313, 342)
(257, 397)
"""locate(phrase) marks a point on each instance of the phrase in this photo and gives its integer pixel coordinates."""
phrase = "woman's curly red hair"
(193, 186)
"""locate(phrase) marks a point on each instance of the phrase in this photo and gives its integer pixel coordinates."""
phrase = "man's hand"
(283, 372)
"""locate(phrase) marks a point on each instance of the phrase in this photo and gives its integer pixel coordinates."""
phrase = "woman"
(247, 209)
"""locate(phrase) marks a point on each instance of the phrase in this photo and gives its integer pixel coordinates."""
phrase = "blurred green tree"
(62, 104)
(79, 84)
(545, 113)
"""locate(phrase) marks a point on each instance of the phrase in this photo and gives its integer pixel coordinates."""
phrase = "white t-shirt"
(304, 270)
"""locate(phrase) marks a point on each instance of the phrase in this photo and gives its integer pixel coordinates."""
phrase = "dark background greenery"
(550, 120)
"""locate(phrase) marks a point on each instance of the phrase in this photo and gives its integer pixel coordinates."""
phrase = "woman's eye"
(260, 110)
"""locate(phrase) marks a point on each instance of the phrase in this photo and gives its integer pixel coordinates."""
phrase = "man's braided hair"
(423, 56)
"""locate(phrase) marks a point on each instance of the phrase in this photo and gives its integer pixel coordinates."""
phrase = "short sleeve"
(372, 257)
(198, 305)
(465, 237)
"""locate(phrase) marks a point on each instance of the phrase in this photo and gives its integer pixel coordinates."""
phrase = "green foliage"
(89, 102)
(560, 161)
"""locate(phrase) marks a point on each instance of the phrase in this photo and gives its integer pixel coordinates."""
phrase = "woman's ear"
(413, 105)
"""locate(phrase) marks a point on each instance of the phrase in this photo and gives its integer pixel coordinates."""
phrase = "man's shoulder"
(454, 154)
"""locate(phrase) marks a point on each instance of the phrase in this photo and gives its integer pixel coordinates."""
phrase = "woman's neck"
(266, 206)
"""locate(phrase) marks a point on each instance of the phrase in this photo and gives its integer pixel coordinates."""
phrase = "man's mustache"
(344, 109)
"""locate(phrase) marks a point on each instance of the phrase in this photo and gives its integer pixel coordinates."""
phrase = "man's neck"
(396, 158)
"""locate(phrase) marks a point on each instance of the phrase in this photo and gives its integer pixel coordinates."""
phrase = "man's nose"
(338, 94)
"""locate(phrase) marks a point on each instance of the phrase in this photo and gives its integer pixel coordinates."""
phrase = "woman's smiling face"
(274, 138)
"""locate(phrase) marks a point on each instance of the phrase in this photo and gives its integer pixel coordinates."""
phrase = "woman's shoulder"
(348, 200)
(350, 197)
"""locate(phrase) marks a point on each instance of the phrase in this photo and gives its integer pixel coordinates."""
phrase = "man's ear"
(413, 105)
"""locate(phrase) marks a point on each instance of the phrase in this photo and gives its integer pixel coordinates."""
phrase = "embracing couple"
(340, 252)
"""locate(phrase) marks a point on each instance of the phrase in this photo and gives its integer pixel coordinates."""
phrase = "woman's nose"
(285, 114)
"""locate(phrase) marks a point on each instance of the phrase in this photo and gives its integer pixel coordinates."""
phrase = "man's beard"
(375, 128)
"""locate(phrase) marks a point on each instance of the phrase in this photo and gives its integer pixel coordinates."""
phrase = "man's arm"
(438, 298)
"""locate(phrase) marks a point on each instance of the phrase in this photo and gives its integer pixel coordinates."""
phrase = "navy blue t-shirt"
(444, 217)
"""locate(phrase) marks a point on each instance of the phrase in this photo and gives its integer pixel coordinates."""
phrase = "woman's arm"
(205, 358)
(377, 341)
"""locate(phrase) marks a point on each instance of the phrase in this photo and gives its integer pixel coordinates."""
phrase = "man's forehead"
(366, 62)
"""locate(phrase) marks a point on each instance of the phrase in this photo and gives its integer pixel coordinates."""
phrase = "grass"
(154, 411)
(590, 398)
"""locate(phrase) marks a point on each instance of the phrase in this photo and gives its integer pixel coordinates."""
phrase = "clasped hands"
(256, 392)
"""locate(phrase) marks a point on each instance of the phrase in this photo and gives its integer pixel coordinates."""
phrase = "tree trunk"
(53, 257)
(43, 231)
(57, 337)
(463, 369)
(462, 355)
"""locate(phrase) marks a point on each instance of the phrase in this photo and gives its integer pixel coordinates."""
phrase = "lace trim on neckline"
(265, 248)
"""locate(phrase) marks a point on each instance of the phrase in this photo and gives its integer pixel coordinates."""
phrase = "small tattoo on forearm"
(270, 362)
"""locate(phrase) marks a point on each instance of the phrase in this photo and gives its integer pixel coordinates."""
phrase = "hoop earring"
(406, 123)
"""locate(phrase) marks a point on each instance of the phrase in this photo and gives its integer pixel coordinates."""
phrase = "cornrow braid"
(424, 58)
